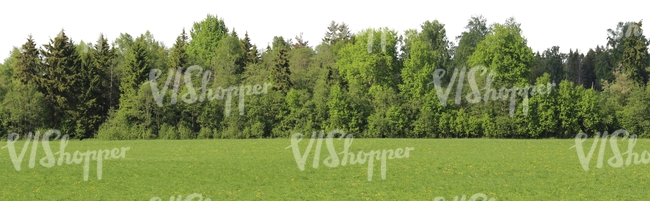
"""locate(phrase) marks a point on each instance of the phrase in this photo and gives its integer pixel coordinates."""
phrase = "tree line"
(374, 83)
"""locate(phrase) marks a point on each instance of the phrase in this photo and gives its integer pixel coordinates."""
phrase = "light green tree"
(505, 51)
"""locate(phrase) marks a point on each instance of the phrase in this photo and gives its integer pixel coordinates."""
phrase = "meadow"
(265, 169)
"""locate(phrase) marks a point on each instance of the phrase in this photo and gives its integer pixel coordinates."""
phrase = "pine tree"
(573, 67)
(178, 56)
(103, 57)
(29, 62)
(589, 70)
(233, 33)
(137, 66)
(553, 63)
(331, 35)
(59, 81)
(278, 41)
(94, 82)
(344, 33)
(635, 58)
(300, 42)
(251, 50)
(254, 55)
(280, 70)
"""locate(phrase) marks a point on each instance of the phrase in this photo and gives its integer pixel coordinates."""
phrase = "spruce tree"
(58, 82)
(300, 42)
(137, 66)
(29, 62)
(280, 70)
(635, 57)
(589, 70)
(331, 36)
(251, 50)
(178, 56)
(344, 33)
(95, 82)
(254, 56)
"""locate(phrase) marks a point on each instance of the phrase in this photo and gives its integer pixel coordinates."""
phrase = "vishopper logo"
(617, 160)
(190, 197)
(348, 157)
(475, 197)
(49, 160)
(631, 30)
(489, 93)
(206, 94)
(371, 38)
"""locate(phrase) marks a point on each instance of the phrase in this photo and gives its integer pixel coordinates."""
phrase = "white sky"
(545, 23)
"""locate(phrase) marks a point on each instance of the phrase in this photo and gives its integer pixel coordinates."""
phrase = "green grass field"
(265, 170)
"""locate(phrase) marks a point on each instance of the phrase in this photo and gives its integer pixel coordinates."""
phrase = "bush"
(167, 132)
(205, 133)
(185, 132)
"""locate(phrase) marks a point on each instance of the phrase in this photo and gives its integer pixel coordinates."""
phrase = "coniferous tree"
(573, 67)
(93, 101)
(280, 70)
(29, 62)
(343, 32)
(251, 50)
(178, 56)
(589, 70)
(331, 35)
(137, 66)
(300, 42)
(635, 57)
(61, 72)
(254, 55)
(603, 65)
(553, 62)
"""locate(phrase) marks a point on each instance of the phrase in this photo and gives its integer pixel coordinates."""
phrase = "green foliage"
(567, 110)
(376, 83)
(434, 35)
(337, 32)
(635, 57)
(229, 60)
(252, 56)
(7, 69)
(178, 56)
(339, 109)
(299, 62)
(420, 64)
(59, 82)
(205, 133)
(388, 118)
(137, 66)
(552, 63)
(573, 67)
(23, 108)
(168, 132)
(366, 63)
(29, 62)
(206, 35)
(589, 70)
(504, 50)
(476, 30)
(280, 72)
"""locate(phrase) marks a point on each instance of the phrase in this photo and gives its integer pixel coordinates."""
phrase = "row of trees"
(362, 83)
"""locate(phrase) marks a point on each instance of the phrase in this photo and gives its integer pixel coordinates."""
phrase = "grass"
(264, 170)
